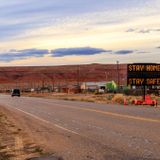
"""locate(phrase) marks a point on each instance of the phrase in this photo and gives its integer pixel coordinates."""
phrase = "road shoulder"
(15, 143)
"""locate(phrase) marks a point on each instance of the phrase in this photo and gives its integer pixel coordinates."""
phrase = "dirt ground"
(15, 143)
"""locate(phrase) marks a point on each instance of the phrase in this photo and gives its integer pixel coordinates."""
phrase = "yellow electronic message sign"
(144, 81)
(144, 67)
(143, 74)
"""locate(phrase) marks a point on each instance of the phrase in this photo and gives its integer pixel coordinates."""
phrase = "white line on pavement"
(38, 118)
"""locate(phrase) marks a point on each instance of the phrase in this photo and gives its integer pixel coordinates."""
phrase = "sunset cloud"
(124, 52)
(77, 51)
(22, 54)
(144, 30)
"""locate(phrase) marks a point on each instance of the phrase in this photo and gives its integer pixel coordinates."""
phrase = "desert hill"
(63, 74)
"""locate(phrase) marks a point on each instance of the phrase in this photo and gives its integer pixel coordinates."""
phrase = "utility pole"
(78, 78)
(118, 76)
(53, 81)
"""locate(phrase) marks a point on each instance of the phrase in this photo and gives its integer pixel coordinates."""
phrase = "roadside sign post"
(144, 92)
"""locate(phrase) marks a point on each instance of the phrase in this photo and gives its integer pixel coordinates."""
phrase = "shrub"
(118, 98)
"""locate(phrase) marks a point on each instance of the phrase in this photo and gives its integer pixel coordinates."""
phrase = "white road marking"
(45, 121)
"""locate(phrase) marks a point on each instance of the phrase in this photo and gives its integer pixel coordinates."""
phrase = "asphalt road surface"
(98, 131)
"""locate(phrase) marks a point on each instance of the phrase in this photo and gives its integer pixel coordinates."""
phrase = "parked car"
(15, 92)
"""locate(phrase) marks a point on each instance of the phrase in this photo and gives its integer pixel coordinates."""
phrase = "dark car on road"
(15, 92)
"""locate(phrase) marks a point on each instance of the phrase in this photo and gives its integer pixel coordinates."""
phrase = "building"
(93, 86)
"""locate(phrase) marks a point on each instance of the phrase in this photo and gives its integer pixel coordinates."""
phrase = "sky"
(62, 32)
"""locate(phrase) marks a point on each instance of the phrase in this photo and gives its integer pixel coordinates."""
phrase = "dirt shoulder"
(15, 143)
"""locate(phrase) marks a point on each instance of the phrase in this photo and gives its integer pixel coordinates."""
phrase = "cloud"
(143, 30)
(22, 54)
(124, 52)
(61, 52)
(130, 30)
(78, 52)
(51, 13)
(14, 54)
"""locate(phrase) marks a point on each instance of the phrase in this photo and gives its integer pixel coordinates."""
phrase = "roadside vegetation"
(109, 98)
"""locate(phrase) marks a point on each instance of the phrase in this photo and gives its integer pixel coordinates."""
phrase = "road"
(96, 131)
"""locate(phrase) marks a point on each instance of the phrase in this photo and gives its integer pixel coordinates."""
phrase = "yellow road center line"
(112, 114)
(124, 116)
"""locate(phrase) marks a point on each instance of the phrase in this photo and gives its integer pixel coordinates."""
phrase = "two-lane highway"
(131, 130)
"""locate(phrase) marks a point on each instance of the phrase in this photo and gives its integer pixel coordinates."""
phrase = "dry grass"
(99, 98)
(14, 143)
(118, 98)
